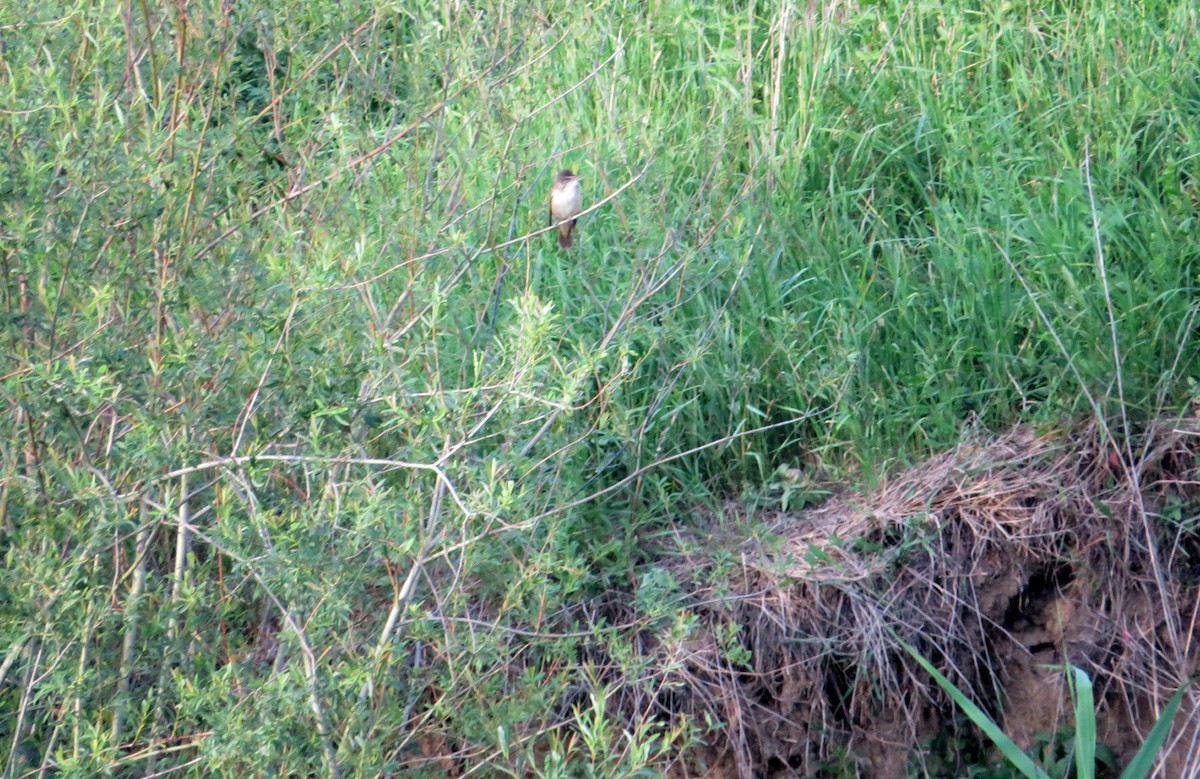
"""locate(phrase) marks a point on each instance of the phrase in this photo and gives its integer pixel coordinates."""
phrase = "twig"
(240, 460)
(129, 642)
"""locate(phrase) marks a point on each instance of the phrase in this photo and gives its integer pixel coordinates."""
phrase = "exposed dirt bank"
(1000, 561)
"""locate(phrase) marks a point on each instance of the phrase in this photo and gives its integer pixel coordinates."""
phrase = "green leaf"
(1021, 761)
(1085, 726)
(1143, 761)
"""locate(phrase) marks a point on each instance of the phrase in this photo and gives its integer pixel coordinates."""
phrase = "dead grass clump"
(995, 560)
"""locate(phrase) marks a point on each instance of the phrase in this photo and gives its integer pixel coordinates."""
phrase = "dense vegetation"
(319, 459)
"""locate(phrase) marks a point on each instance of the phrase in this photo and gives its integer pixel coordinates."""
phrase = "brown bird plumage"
(566, 201)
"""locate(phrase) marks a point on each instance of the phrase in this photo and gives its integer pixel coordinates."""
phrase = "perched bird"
(566, 201)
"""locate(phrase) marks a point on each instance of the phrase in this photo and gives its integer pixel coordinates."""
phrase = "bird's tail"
(566, 234)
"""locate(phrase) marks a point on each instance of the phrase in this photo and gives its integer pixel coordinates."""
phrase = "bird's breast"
(566, 202)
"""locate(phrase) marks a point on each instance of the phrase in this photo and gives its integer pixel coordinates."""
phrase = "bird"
(566, 201)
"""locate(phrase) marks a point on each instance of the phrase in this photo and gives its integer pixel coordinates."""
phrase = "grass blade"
(1143, 761)
(1085, 726)
(1021, 761)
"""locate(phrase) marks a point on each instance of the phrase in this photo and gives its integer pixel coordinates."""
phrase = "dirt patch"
(1000, 561)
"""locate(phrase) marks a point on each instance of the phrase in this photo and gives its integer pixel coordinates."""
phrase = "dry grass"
(997, 559)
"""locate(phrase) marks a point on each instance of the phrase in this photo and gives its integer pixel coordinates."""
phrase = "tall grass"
(319, 458)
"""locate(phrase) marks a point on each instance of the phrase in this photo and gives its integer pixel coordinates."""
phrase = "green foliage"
(315, 461)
